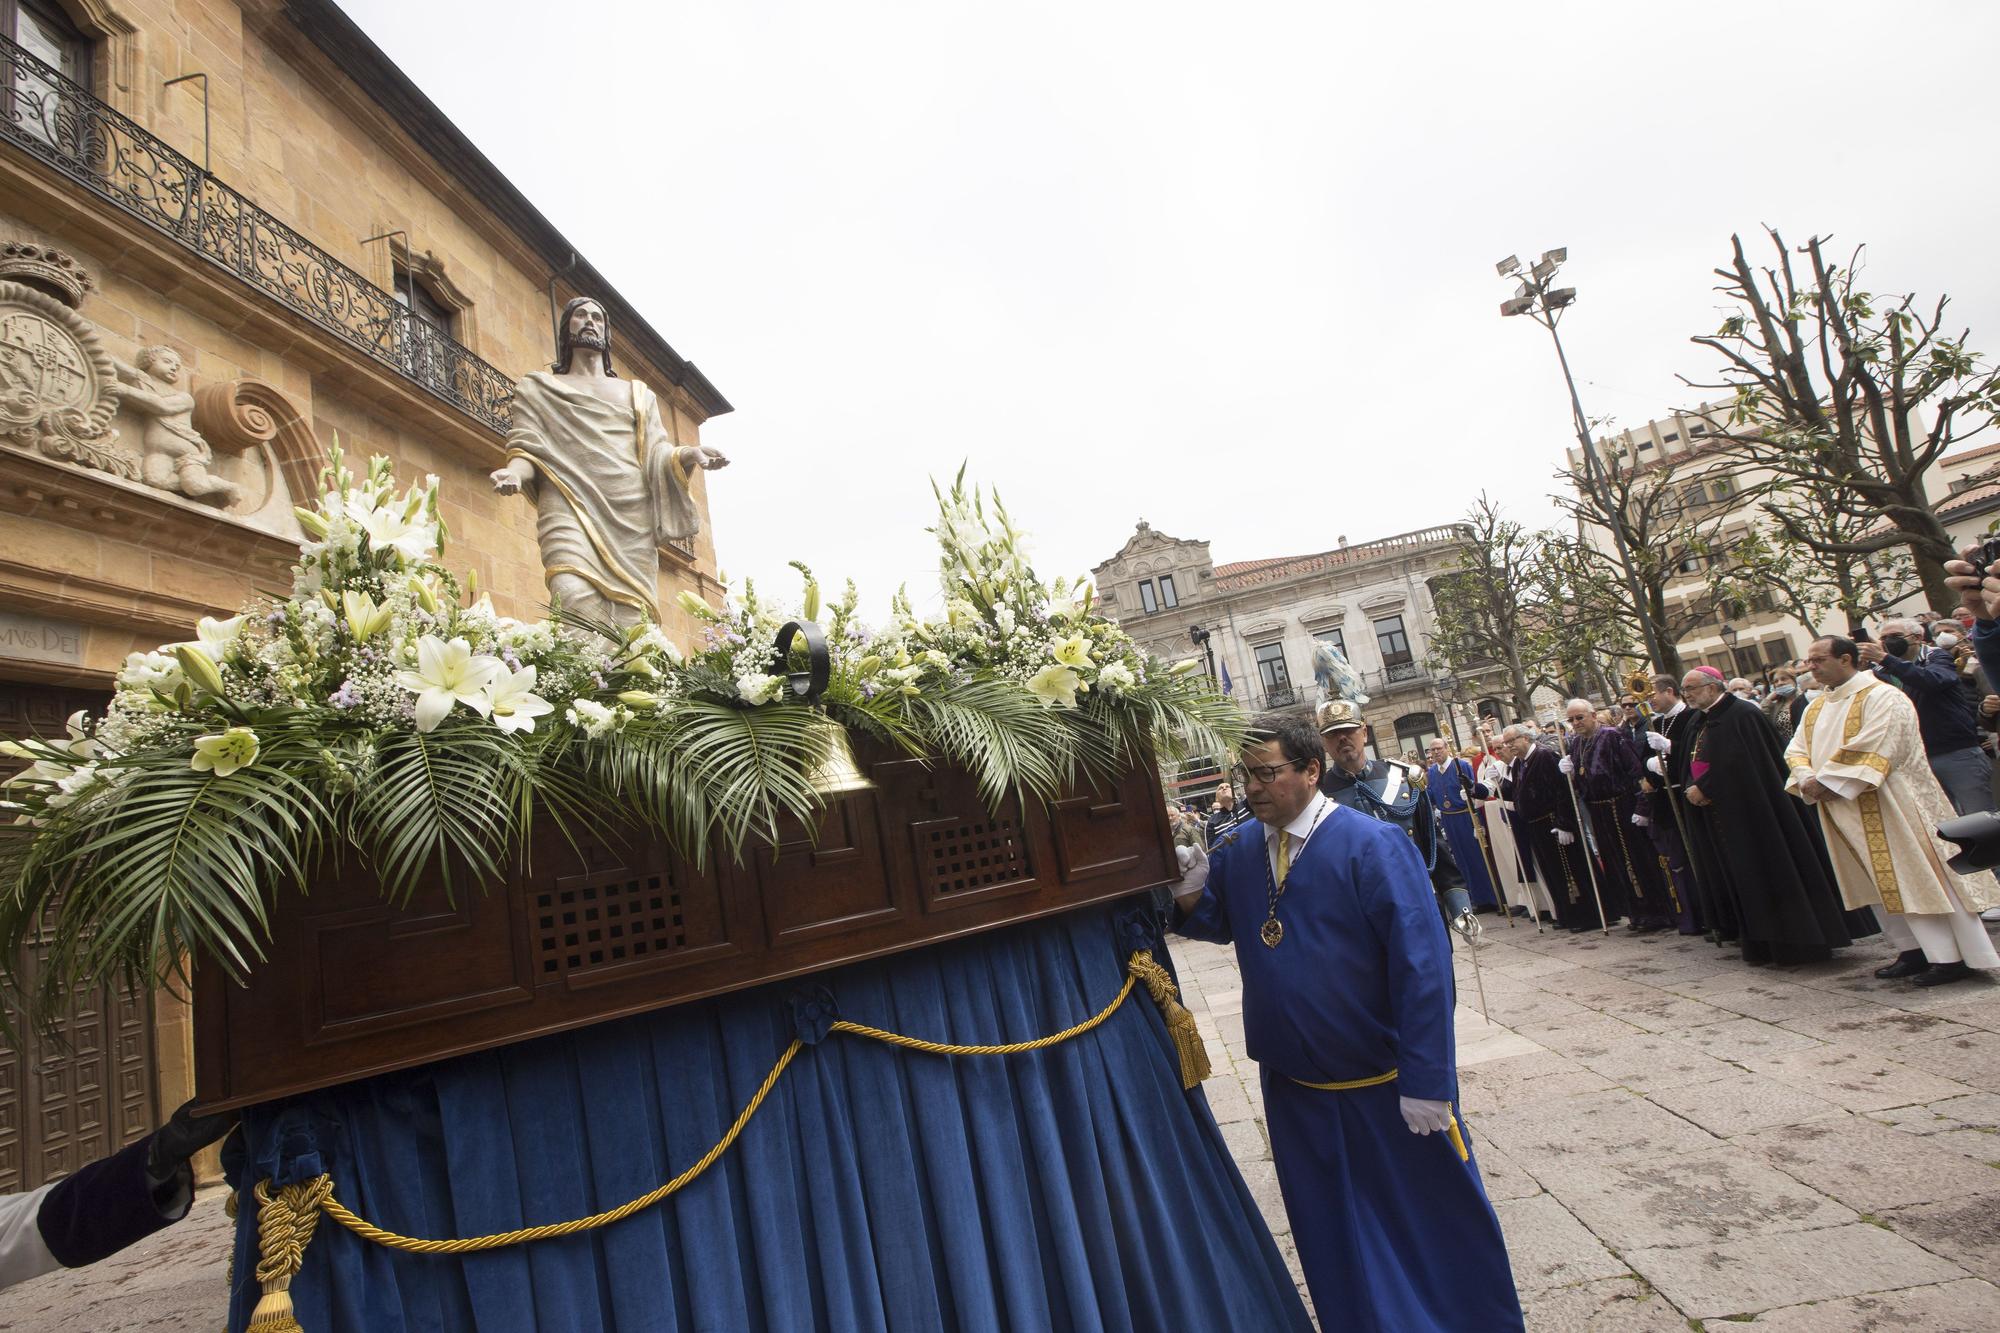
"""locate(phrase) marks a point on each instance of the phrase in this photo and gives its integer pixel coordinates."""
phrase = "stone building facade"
(234, 234)
(1263, 617)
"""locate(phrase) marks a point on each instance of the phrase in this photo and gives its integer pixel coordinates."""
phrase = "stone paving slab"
(1549, 1247)
(1869, 1167)
(1766, 1271)
(1949, 1307)
(1965, 1230)
(1856, 1077)
(1700, 1198)
(1875, 1027)
(1970, 1056)
(1651, 1063)
(176, 1279)
(1741, 1039)
(1743, 1103)
(1598, 1126)
(1607, 1305)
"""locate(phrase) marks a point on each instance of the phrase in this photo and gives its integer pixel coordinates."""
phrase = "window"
(1414, 731)
(1670, 437)
(1644, 445)
(1689, 565)
(1721, 489)
(1168, 597)
(32, 100)
(1394, 642)
(1148, 602)
(416, 296)
(1697, 430)
(1777, 652)
(1334, 639)
(1271, 667)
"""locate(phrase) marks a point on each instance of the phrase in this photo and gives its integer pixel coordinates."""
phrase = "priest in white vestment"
(1858, 758)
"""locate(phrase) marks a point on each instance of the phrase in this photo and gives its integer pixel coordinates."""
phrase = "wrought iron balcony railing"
(58, 123)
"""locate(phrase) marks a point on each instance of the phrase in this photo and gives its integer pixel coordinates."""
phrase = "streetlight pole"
(1197, 634)
(1538, 299)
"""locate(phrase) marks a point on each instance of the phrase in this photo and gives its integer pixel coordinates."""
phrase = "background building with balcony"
(1749, 634)
(243, 210)
(1372, 600)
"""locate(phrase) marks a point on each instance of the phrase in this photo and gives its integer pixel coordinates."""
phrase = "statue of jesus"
(608, 482)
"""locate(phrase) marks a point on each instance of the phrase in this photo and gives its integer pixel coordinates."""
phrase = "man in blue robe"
(1347, 1010)
(1452, 786)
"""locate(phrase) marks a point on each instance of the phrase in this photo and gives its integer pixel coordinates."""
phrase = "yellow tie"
(1284, 856)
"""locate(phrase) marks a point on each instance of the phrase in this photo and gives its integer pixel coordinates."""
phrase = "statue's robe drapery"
(1452, 787)
(1762, 864)
(1542, 805)
(608, 488)
(1861, 741)
(1394, 1231)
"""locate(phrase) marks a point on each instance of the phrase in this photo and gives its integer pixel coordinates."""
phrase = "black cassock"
(1764, 870)
(1543, 805)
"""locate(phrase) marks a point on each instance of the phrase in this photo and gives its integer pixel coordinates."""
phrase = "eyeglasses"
(1266, 774)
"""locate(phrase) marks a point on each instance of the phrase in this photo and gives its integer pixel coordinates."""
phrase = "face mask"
(1895, 644)
(1947, 641)
(1786, 689)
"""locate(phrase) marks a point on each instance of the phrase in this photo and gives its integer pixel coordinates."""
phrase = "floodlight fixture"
(1557, 255)
(1509, 266)
(1542, 271)
(1561, 297)
(1520, 305)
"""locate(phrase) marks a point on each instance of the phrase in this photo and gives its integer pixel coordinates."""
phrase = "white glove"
(1425, 1117)
(1653, 765)
(1658, 742)
(1641, 820)
(1564, 837)
(1566, 766)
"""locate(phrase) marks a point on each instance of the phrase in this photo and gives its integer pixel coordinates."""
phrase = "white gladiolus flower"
(653, 640)
(756, 688)
(1117, 676)
(447, 674)
(150, 671)
(513, 702)
(388, 530)
(593, 718)
(68, 788)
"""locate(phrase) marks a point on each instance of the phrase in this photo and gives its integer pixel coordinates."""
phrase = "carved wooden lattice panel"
(89, 1091)
(967, 854)
(606, 920)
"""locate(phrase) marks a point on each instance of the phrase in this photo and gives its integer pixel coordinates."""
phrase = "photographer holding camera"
(1946, 715)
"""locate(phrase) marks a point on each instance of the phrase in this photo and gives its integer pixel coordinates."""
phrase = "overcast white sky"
(1225, 267)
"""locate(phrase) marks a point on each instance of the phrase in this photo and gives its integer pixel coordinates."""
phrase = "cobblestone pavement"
(1669, 1137)
(1672, 1138)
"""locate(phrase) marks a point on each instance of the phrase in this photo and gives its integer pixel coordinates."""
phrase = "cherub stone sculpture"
(175, 456)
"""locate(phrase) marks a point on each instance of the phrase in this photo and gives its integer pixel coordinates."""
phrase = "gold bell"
(836, 774)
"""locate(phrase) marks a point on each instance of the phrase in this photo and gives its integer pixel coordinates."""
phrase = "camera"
(1989, 553)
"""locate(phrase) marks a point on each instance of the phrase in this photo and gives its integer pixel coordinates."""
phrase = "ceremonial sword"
(1583, 833)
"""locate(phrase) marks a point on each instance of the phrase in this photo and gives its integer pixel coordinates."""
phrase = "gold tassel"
(284, 1229)
(1180, 1023)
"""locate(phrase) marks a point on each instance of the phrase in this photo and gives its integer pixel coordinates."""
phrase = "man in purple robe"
(1607, 769)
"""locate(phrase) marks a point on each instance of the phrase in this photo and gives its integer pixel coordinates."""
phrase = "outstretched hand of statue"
(706, 457)
(509, 480)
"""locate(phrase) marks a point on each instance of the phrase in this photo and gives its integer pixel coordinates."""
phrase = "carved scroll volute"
(230, 419)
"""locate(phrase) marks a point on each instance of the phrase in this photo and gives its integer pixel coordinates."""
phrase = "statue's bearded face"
(588, 327)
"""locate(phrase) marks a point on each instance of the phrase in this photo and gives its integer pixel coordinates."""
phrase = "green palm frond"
(441, 802)
(709, 767)
(162, 862)
(1010, 741)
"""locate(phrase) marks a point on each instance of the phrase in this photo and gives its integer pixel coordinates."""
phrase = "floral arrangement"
(386, 710)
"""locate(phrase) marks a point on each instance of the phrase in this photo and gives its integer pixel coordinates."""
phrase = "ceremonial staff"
(1589, 861)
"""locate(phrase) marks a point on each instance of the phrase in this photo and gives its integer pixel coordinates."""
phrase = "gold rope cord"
(1140, 969)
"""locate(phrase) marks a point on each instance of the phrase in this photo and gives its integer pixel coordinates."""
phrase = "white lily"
(1055, 685)
(388, 530)
(364, 618)
(448, 673)
(757, 688)
(224, 753)
(1073, 652)
(513, 702)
